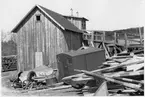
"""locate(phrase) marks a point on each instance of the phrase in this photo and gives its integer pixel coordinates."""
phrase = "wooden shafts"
(130, 85)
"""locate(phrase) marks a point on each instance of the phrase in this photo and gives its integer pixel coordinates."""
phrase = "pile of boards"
(123, 74)
(9, 63)
(127, 71)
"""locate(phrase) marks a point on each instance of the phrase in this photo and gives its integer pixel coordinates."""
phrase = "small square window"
(38, 18)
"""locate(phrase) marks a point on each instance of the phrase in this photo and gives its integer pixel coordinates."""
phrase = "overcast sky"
(102, 14)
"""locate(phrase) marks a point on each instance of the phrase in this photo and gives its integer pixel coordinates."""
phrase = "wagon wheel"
(31, 85)
(17, 84)
(24, 84)
(27, 85)
(78, 86)
(39, 86)
(30, 76)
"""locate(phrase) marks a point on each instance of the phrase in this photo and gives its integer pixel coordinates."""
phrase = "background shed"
(43, 34)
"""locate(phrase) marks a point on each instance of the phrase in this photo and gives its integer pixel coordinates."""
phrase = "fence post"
(140, 36)
(125, 34)
(115, 38)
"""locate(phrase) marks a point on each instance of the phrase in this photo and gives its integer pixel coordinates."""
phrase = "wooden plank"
(55, 44)
(104, 37)
(29, 32)
(119, 57)
(49, 41)
(124, 74)
(131, 80)
(61, 87)
(27, 40)
(141, 40)
(23, 58)
(107, 68)
(115, 38)
(44, 41)
(24, 47)
(106, 51)
(18, 53)
(39, 41)
(35, 38)
(9, 56)
(125, 37)
(39, 59)
(42, 32)
(33, 47)
(130, 85)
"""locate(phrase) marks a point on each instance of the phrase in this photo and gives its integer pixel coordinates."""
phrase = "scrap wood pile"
(9, 63)
(124, 74)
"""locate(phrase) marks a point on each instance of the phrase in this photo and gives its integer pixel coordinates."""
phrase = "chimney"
(71, 11)
(77, 14)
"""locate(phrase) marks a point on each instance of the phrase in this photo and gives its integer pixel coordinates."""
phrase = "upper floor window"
(83, 25)
(38, 17)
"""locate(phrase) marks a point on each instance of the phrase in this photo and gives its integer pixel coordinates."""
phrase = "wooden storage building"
(42, 34)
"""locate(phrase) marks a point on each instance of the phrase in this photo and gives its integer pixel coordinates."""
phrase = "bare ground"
(7, 90)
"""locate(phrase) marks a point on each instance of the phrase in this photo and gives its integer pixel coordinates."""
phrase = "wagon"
(36, 78)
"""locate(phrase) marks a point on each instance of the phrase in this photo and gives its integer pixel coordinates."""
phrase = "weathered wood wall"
(46, 37)
(78, 22)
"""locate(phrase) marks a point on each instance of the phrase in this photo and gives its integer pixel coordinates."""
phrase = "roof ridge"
(65, 23)
(57, 18)
(42, 9)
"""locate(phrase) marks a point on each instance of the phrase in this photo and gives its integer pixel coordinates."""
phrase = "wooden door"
(38, 59)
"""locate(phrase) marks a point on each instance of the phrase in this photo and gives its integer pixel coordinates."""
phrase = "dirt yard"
(65, 90)
(7, 90)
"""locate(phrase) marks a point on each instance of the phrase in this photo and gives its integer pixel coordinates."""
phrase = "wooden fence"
(122, 38)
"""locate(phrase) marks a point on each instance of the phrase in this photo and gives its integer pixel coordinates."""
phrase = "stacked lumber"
(9, 63)
(126, 71)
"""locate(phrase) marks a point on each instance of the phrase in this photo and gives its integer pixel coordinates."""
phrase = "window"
(38, 17)
(83, 25)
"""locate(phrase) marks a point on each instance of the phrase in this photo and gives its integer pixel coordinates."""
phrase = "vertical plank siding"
(46, 37)
(76, 22)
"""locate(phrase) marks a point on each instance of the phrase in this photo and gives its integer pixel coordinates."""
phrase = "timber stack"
(123, 74)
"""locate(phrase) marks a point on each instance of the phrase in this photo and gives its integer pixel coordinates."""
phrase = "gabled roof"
(55, 17)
